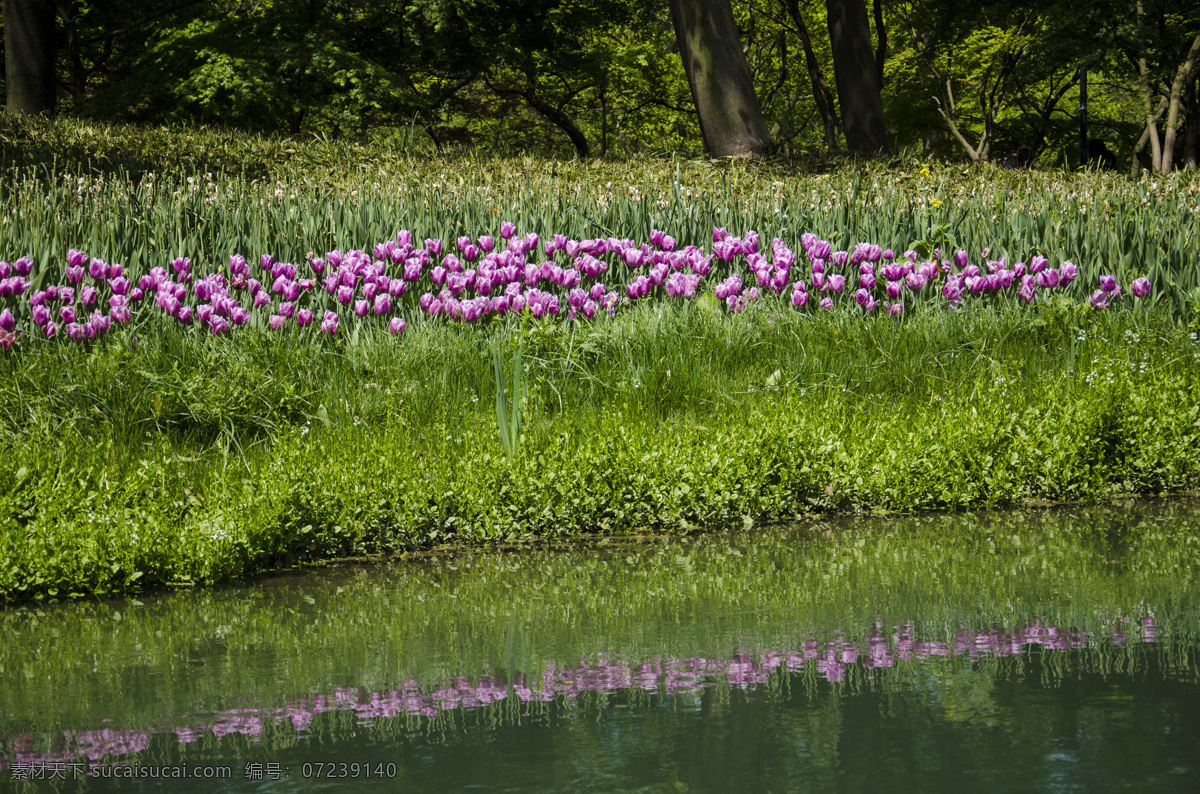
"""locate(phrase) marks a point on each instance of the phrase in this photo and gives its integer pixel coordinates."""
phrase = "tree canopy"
(616, 77)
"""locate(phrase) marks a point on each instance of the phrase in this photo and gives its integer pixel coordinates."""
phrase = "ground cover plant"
(203, 377)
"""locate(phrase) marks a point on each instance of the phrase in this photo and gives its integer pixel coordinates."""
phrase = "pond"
(1046, 650)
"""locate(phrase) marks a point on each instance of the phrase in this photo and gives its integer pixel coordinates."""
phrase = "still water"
(1051, 650)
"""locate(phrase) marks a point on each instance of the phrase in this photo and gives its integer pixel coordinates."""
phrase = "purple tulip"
(826, 304)
(7, 321)
(952, 290)
(397, 325)
(1140, 287)
(383, 303)
(361, 308)
(41, 316)
(329, 325)
(1099, 299)
(184, 315)
(1108, 283)
(1067, 273)
(304, 317)
(894, 309)
(276, 322)
(486, 243)
(864, 299)
(1048, 278)
(799, 296)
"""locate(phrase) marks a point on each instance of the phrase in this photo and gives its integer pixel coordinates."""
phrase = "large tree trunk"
(856, 76)
(731, 120)
(29, 55)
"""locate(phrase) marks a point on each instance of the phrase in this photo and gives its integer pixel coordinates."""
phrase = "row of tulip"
(477, 278)
(830, 658)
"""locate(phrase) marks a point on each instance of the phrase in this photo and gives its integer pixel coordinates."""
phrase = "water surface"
(1048, 650)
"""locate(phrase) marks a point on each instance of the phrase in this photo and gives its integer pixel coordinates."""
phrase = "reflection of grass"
(710, 595)
(192, 458)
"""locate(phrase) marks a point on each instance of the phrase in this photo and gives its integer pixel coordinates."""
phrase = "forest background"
(605, 77)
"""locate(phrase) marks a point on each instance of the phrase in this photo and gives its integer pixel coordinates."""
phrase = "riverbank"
(191, 458)
(221, 354)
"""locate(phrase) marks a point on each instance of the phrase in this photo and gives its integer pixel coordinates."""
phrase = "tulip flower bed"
(477, 282)
(176, 425)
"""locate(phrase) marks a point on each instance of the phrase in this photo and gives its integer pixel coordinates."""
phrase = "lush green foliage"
(198, 458)
(294, 198)
(507, 76)
(155, 456)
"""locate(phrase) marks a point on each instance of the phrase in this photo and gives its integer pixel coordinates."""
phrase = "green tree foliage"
(601, 77)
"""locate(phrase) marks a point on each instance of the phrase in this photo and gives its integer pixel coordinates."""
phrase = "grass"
(192, 458)
(157, 456)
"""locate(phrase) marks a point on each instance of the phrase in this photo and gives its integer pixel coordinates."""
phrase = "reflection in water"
(1041, 651)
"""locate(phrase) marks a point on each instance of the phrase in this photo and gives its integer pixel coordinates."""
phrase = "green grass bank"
(188, 458)
(159, 455)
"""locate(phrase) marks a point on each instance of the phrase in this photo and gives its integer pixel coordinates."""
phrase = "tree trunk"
(563, 122)
(29, 55)
(881, 43)
(822, 94)
(731, 120)
(1193, 127)
(1182, 74)
(857, 79)
(947, 111)
(1144, 86)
